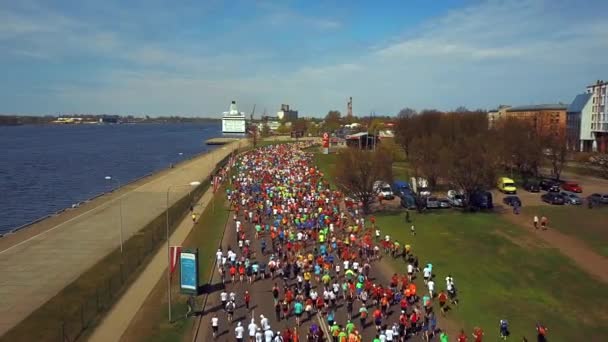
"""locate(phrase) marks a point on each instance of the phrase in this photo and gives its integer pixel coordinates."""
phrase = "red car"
(572, 187)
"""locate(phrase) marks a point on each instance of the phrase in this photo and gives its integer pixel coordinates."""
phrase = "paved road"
(37, 268)
(262, 299)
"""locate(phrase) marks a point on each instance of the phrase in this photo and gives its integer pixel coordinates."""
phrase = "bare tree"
(520, 147)
(472, 164)
(404, 129)
(556, 151)
(356, 171)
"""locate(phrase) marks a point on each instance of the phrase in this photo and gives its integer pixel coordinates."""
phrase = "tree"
(426, 157)
(266, 130)
(404, 130)
(472, 164)
(300, 125)
(333, 120)
(356, 171)
(520, 146)
(556, 150)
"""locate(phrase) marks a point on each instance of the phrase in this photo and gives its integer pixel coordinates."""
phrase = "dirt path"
(593, 263)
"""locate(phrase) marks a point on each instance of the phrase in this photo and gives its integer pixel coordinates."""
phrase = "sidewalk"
(70, 244)
(117, 320)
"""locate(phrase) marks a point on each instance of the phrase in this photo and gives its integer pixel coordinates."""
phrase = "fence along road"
(36, 269)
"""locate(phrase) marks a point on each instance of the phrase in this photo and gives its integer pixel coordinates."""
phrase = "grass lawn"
(401, 171)
(590, 226)
(206, 236)
(504, 274)
(326, 163)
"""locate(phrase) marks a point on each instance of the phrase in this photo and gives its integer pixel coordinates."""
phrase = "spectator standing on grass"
(541, 332)
(504, 329)
(413, 230)
(535, 221)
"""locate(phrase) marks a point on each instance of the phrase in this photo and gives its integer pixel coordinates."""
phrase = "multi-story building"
(287, 114)
(599, 115)
(578, 123)
(547, 119)
(496, 115)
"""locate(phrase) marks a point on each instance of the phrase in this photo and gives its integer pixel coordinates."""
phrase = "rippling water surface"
(44, 169)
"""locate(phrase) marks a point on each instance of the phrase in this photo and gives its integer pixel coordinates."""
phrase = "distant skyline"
(154, 57)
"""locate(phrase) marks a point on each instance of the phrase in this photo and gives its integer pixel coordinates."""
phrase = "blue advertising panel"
(188, 261)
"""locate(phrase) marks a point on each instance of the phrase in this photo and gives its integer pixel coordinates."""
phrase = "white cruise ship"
(233, 121)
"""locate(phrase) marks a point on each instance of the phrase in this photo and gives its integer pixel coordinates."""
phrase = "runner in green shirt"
(377, 339)
(342, 336)
(298, 308)
(350, 326)
(443, 337)
(335, 330)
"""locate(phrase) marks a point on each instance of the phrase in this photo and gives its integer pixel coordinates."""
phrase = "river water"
(44, 169)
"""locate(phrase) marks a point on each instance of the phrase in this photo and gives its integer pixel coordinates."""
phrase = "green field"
(591, 226)
(501, 271)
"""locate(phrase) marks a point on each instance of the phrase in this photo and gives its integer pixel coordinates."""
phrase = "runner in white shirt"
(252, 329)
(410, 271)
(238, 332)
(427, 274)
(219, 255)
(337, 269)
(259, 336)
(224, 298)
(268, 335)
(389, 335)
(431, 285)
(264, 322)
(215, 325)
(346, 264)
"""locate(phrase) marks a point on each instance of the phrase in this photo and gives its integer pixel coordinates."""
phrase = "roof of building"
(531, 108)
(579, 103)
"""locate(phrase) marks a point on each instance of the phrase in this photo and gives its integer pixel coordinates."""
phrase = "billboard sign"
(188, 271)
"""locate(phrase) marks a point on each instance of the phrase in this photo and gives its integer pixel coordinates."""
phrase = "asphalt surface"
(262, 299)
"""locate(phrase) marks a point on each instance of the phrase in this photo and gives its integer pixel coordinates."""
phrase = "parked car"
(401, 188)
(456, 199)
(408, 201)
(481, 200)
(384, 190)
(421, 186)
(553, 198)
(571, 198)
(598, 198)
(506, 185)
(572, 187)
(531, 186)
(512, 201)
(432, 202)
(548, 185)
(444, 203)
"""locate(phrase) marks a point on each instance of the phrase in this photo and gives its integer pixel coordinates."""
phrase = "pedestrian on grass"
(193, 218)
(413, 230)
(543, 222)
(504, 329)
(536, 221)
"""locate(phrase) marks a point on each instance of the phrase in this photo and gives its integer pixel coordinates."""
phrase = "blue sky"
(193, 57)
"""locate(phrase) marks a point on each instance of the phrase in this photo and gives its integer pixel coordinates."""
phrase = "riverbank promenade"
(39, 261)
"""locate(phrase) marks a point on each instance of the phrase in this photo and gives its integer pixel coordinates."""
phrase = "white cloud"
(489, 53)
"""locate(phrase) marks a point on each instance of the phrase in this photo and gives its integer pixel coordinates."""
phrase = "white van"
(384, 189)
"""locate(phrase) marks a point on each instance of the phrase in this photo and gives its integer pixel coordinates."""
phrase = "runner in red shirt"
(477, 334)
(462, 337)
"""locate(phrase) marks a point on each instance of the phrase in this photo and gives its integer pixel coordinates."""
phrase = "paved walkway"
(118, 319)
(39, 266)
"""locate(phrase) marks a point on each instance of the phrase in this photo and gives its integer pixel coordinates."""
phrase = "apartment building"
(599, 115)
(547, 119)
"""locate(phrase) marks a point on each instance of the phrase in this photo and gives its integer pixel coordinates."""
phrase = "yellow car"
(506, 185)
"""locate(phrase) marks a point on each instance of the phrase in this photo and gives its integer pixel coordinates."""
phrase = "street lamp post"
(120, 208)
(195, 183)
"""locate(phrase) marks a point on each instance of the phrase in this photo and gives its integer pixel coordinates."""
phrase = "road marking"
(324, 326)
(96, 208)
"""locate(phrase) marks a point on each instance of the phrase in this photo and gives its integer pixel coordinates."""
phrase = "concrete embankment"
(40, 261)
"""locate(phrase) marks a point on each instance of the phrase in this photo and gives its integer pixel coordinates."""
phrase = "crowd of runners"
(318, 251)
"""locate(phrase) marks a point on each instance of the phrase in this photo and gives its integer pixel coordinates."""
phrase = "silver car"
(571, 198)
